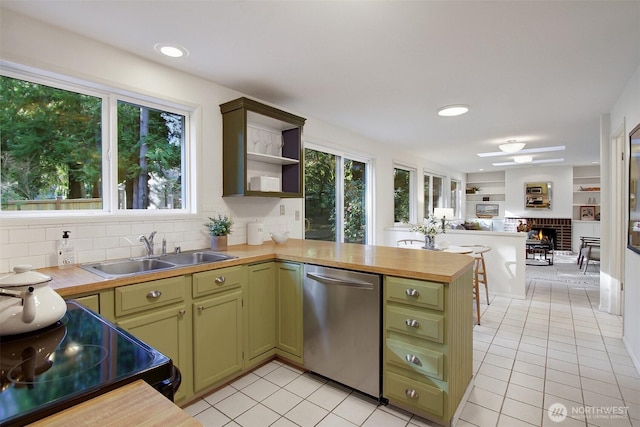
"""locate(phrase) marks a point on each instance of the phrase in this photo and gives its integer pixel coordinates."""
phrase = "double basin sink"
(130, 267)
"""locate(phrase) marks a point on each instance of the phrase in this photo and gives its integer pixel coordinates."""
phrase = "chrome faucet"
(148, 242)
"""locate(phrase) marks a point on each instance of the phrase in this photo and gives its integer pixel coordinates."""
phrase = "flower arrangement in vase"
(430, 227)
(219, 228)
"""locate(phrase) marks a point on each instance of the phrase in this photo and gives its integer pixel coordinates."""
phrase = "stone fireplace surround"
(561, 225)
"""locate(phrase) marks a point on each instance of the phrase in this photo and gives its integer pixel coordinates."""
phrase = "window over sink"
(70, 146)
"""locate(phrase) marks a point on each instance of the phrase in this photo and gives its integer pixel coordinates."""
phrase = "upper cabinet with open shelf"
(263, 143)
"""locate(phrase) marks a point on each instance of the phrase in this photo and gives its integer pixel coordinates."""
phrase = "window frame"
(457, 194)
(110, 97)
(428, 208)
(339, 198)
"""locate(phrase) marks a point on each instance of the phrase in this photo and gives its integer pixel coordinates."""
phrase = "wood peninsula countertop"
(419, 264)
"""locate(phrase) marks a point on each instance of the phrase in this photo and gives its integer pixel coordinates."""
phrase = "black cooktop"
(71, 361)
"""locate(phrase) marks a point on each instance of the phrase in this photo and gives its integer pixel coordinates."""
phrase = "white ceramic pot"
(27, 303)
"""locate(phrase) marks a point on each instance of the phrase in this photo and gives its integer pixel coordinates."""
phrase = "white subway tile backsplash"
(116, 253)
(91, 231)
(90, 256)
(15, 250)
(4, 237)
(117, 229)
(43, 248)
(26, 235)
(38, 261)
(106, 242)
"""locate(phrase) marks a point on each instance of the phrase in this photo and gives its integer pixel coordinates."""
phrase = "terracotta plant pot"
(218, 243)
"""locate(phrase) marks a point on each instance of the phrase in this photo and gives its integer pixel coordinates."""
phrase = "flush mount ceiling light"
(523, 159)
(536, 162)
(525, 151)
(453, 110)
(171, 50)
(512, 146)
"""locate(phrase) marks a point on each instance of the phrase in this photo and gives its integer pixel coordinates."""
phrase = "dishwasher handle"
(328, 280)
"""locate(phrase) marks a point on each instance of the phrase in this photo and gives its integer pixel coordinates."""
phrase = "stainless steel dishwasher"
(342, 326)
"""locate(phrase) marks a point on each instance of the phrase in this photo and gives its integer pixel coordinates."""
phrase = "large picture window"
(55, 155)
(336, 197)
(433, 193)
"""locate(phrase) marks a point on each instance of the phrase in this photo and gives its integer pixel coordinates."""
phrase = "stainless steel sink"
(193, 258)
(129, 267)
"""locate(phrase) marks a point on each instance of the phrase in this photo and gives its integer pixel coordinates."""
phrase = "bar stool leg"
(484, 276)
(476, 288)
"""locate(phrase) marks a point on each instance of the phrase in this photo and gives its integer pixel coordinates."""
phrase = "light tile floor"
(530, 356)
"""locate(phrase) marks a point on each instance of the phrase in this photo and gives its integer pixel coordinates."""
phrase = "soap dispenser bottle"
(65, 252)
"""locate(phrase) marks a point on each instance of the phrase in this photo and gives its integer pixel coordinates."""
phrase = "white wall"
(31, 43)
(561, 178)
(626, 112)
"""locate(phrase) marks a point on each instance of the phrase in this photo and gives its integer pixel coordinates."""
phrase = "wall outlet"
(297, 215)
(281, 210)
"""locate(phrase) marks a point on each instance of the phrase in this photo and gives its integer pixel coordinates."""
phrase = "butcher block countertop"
(418, 264)
(135, 404)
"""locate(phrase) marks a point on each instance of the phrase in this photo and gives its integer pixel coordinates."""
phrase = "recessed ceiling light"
(512, 146)
(453, 110)
(530, 163)
(523, 159)
(171, 50)
(525, 151)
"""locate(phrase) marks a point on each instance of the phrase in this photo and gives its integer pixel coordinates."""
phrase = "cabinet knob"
(412, 292)
(412, 358)
(201, 309)
(220, 280)
(411, 393)
(182, 312)
(412, 323)
(154, 294)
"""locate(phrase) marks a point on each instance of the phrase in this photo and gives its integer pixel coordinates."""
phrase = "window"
(336, 197)
(433, 193)
(56, 154)
(456, 197)
(404, 202)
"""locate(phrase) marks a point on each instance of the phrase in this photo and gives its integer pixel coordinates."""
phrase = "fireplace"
(562, 227)
(540, 245)
(544, 235)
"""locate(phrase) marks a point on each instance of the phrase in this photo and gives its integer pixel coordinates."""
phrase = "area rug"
(565, 270)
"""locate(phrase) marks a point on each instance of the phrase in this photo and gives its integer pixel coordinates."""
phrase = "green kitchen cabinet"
(92, 302)
(259, 141)
(260, 313)
(167, 330)
(218, 334)
(157, 313)
(428, 343)
(289, 311)
(217, 338)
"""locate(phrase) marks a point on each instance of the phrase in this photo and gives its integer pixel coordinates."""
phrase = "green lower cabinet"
(260, 312)
(92, 302)
(167, 330)
(289, 311)
(217, 338)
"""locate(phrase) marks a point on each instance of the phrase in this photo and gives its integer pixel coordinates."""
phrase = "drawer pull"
(412, 323)
(154, 294)
(182, 312)
(411, 393)
(201, 309)
(220, 280)
(412, 358)
(412, 292)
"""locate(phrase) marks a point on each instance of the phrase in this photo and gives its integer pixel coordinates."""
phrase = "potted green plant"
(219, 228)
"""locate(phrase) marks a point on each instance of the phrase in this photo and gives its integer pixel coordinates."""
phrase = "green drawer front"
(416, 323)
(415, 292)
(223, 279)
(143, 296)
(416, 359)
(413, 393)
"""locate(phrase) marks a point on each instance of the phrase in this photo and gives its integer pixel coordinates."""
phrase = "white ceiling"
(541, 72)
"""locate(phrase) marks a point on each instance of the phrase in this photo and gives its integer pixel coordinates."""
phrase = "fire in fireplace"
(546, 236)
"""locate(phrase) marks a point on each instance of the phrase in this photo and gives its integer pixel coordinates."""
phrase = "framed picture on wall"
(487, 210)
(587, 213)
(633, 242)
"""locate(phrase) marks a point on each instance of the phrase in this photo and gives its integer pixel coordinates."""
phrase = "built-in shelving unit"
(586, 191)
(264, 143)
(490, 190)
(586, 199)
